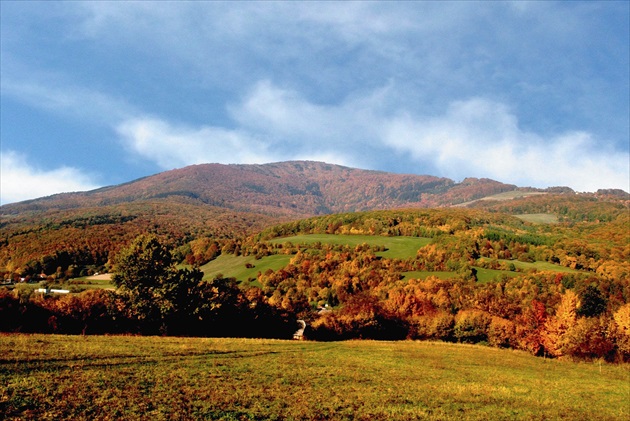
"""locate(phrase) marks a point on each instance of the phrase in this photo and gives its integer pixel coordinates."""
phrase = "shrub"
(435, 326)
(502, 333)
(471, 326)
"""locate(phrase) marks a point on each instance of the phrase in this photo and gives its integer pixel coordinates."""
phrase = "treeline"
(343, 293)
(153, 297)
(352, 292)
(368, 299)
(596, 247)
(570, 208)
(50, 243)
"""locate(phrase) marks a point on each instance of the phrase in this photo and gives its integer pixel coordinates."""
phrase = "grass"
(98, 378)
(235, 266)
(508, 195)
(489, 275)
(396, 247)
(539, 218)
(483, 275)
(539, 266)
(91, 282)
(423, 274)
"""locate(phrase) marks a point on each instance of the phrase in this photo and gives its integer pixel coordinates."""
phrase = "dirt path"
(101, 277)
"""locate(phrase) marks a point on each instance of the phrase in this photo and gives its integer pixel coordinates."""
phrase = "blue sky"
(100, 93)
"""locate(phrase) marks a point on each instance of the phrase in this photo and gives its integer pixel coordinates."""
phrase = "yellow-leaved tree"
(622, 331)
(556, 337)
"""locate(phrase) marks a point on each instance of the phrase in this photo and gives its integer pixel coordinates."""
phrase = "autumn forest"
(547, 272)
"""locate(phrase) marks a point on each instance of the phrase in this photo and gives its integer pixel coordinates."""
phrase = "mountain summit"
(285, 189)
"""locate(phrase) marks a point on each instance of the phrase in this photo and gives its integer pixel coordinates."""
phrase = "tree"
(621, 329)
(157, 293)
(592, 302)
(556, 336)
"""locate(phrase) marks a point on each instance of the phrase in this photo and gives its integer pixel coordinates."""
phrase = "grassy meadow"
(247, 267)
(395, 247)
(243, 268)
(539, 218)
(159, 378)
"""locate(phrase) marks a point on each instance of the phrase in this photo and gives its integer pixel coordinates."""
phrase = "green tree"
(592, 302)
(157, 294)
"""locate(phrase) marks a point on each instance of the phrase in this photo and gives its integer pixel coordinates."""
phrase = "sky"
(100, 93)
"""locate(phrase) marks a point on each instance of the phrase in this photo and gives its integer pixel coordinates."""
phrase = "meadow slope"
(126, 377)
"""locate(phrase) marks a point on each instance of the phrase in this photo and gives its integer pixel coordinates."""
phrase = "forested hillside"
(219, 201)
(296, 188)
(246, 250)
(465, 275)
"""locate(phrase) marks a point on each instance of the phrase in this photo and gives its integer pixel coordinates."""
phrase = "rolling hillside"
(221, 202)
(286, 189)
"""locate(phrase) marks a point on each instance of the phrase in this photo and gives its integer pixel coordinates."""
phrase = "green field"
(483, 275)
(91, 282)
(235, 266)
(488, 275)
(539, 266)
(396, 247)
(163, 378)
(539, 218)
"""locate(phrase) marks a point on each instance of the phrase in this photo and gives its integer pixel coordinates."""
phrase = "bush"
(502, 333)
(471, 326)
(436, 326)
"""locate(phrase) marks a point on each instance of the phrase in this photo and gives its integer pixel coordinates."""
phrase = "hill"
(130, 377)
(210, 200)
(53, 234)
(285, 189)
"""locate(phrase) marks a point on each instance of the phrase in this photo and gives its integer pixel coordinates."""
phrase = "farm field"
(235, 266)
(95, 281)
(396, 247)
(247, 267)
(539, 218)
(483, 275)
(128, 377)
(525, 266)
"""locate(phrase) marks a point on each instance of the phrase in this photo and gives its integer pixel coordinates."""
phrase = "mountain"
(211, 200)
(285, 189)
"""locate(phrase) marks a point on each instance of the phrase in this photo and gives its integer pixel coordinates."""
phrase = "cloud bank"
(531, 93)
(472, 137)
(19, 180)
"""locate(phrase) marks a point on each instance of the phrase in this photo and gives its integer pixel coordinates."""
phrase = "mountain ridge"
(227, 202)
(290, 188)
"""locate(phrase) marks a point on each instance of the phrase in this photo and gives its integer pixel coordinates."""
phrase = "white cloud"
(473, 138)
(481, 138)
(274, 124)
(172, 146)
(19, 180)
(287, 114)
